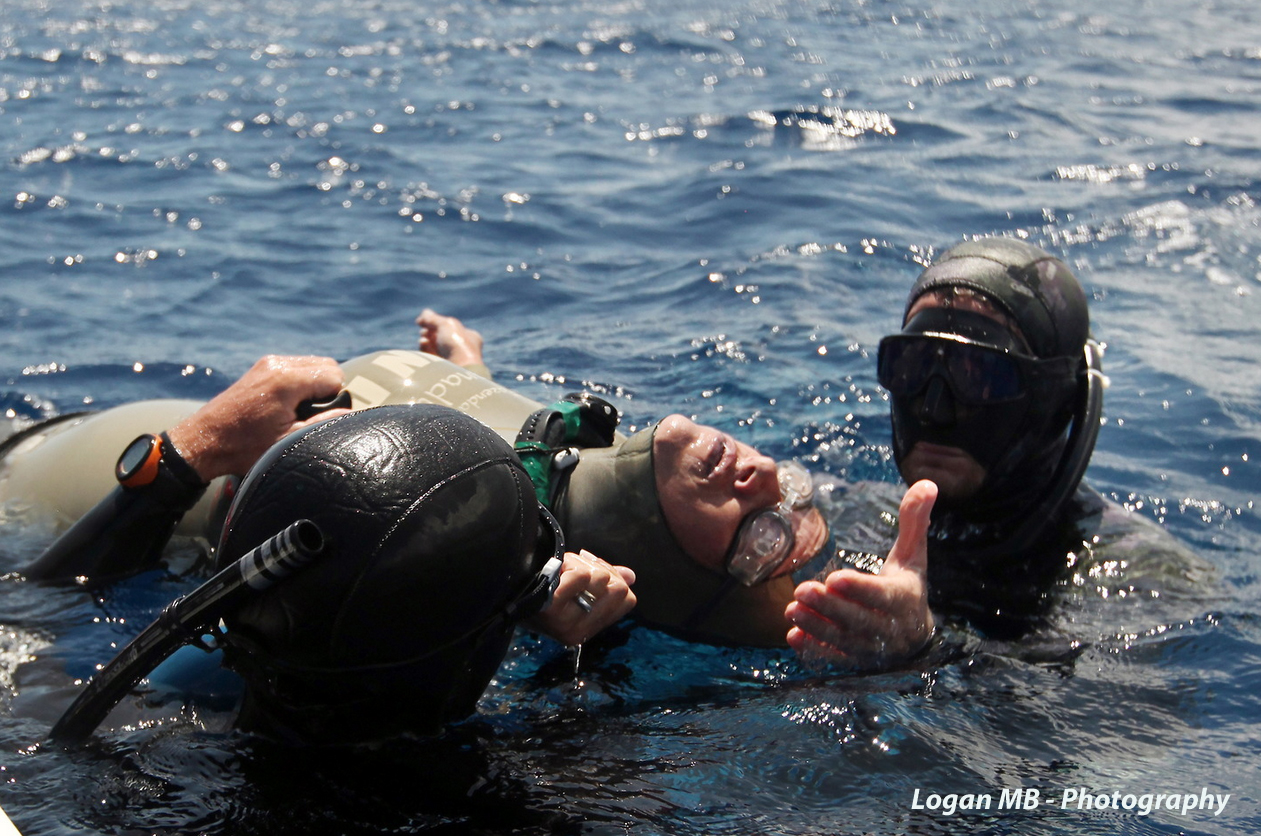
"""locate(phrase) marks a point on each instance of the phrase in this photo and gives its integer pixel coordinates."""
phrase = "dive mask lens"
(765, 538)
(763, 543)
(977, 374)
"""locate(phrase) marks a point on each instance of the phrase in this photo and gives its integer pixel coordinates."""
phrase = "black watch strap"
(180, 469)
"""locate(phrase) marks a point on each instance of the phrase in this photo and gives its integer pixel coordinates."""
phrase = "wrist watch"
(138, 465)
(153, 460)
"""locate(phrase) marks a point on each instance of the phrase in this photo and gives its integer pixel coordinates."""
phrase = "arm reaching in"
(592, 595)
(229, 433)
(871, 621)
(126, 531)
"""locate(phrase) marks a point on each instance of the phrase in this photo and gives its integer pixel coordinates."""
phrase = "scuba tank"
(61, 468)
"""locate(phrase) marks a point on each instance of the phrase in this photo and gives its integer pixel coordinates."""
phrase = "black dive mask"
(960, 379)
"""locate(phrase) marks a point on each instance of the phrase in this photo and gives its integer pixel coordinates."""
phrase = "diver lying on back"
(1016, 545)
(709, 539)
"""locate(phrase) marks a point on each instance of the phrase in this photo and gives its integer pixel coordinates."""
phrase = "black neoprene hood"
(432, 524)
(1018, 443)
(1034, 288)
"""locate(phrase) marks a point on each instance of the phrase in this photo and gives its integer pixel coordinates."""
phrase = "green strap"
(572, 413)
(536, 457)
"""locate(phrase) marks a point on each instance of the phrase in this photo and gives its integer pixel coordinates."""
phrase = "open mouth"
(721, 457)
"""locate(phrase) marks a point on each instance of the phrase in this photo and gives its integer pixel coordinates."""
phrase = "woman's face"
(707, 483)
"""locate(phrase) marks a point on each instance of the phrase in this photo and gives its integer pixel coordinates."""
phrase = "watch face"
(131, 463)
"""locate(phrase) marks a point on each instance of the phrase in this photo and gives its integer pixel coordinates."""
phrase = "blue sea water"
(714, 208)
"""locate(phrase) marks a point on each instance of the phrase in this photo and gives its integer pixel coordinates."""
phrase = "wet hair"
(434, 532)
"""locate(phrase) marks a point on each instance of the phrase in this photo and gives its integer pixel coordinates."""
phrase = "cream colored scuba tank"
(403, 377)
(61, 468)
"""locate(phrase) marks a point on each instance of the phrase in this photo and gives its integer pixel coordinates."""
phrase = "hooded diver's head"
(700, 517)
(986, 375)
(437, 543)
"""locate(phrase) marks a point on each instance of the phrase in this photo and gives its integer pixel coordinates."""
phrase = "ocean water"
(714, 208)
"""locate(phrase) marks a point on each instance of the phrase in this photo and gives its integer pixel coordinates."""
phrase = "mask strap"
(538, 595)
(1077, 453)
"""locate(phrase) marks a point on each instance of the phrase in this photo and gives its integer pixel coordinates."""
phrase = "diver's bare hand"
(592, 595)
(449, 338)
(229, 433)
(871, 621)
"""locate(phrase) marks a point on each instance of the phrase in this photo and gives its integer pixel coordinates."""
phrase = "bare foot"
(449, 338)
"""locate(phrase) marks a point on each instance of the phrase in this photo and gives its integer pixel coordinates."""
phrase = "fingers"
(830, 615)
(812, 650)
(910, 551)
(324, 415)
(230, 432)
(293, 379)
(864, 619)
(591, 595)
(834, 619)
(575, 559)
(427, 322)
(592, 586)
(881, 593)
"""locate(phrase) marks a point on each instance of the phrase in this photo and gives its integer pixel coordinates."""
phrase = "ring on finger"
(585, 601)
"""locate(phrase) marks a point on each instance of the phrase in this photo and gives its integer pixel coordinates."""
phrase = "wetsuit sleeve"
(124, 533)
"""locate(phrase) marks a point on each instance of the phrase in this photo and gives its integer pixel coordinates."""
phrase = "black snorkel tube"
(1072, 466)
(186, 621)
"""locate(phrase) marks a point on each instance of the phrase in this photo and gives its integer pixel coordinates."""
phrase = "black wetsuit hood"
(435, 536)
(1021, 444)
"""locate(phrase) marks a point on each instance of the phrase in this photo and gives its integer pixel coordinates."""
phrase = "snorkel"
(191, 619)
(432, 547)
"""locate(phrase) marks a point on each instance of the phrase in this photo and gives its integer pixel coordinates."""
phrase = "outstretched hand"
(871, 621)
(592, 595)
(235, 428)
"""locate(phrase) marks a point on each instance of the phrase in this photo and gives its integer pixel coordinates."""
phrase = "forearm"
(123, 534)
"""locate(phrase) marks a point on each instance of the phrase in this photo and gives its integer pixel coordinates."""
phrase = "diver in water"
(996, 392)
(372, 571)
(707, 528)
(438, 549)
(185, 477)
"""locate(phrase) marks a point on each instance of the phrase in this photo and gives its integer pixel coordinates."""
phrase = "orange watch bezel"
(147, 471)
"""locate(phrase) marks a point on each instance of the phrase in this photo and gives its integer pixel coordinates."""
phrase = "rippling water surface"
(707, 207)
